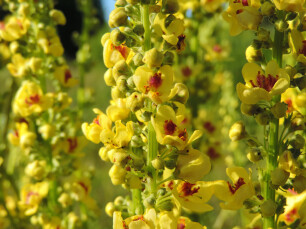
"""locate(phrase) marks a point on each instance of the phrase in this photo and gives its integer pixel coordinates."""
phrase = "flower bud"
(253, 55)
(288, 163)
(58, 17)
(158, 163)
(24, 9)
(263, 118)
(103, 153)
(237, 131)
(170, 164)
(122, 84)
(135, 101)
(263, 35)
(267, 8)
(254, 155)
(268, 208)
(290, 70)
(300, 82)
(47, 131)
(105, 38)
(108, 78)
(120, 68)
(14, 47)
(116, 93)
(297, 142)
(118, 156)
(133, 2)
(109, 209)
(117, 17)
(250, 109)
(117, 37)
(35, 64)
(153, 58)
(138, 29)
(150, 201)
(279, 110)
(182, 93)
(281, 25)
(298, 122)
(120, 3)
(117, 174)
(27, 140)
(165, 205)
(65, 200)
(299, 183)
(36, 169)
(170, 6)
(119, 201)
(279, 177)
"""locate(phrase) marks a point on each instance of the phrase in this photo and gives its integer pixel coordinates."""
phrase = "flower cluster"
(45, 131)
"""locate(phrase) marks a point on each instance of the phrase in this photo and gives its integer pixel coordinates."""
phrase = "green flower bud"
(135, 101)
(279, 110)
(119, 201)
(130, 83)
(279, 177)
(291, 71)
(300, 82)
(120, 68)
(165, 206)
(299, 183)
(281, 25)
(118, 17)
(170, 6)
(117, 37)
(237, 131)
(137, 59)
(158, 163)
(263, 118)
(116, 93)
(182, 94)
(267, 8)
(133, 2)
(170, 164)
(268, 208)
(58, 17)
(146, 116)
(298, 122)
(161, 192)
(168, 58)
(290, 16)
(253, 55)
(108, 78)
(136, 141)
(138, 29)
(254, 155)
(150, 201)
(120, 3)
(297, 141)
(130, 42)
(109, 209)
(153, 58)
(122, 84)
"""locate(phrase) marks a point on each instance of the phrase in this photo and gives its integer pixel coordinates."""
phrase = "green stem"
(137, 202)
(273, 147)
(146, 25)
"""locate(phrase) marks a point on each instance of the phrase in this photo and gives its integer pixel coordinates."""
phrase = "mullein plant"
(42, 140)
(143, 133)
(274, 94)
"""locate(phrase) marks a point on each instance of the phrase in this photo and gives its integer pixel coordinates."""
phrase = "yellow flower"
(295, 208)
(64, 76)
(50, 43)
(234, 194)
(215, 51)
(30, 99)
(31, 196)
(113, 54)
(187, 72)
(156, 84)
(120, 138)
(260, 86)
(19, 66)
(81, 188)
(118, 110)
(173, 33)
(290, 5)
(92, 131)
(14, 28)
(211, 5)
(5, 53)
(188, 4)
(168, 129)
(192, 165)
(297, 43)
(36, 169)
(73, 145)
(242, 15)
(53, 223)
(194, 196)
(288, 163)
(186, 223)
(295, 100)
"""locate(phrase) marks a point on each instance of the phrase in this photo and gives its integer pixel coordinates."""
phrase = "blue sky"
(108, 6)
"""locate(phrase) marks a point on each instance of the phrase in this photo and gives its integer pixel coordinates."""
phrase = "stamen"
(169, 127)
(236, 186)
(187, 189)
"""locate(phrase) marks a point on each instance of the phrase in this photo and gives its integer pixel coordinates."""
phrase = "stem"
(137, 202)
(273, 147)
(146, 25)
